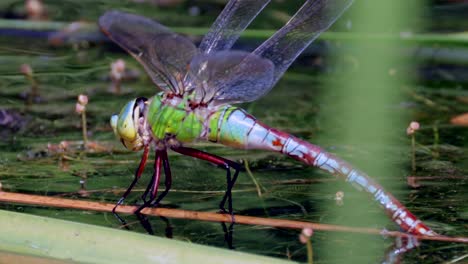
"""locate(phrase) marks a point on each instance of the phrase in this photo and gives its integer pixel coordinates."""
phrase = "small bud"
(26, 70)
(63, 145)
(308, 232)
(305, 235)
(35, 9)
(79, 108)
(119, 65)
(117, 69)
(83, 99)
(413, 127)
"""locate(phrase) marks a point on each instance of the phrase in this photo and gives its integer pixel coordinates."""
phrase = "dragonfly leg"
(138, 173)
(228, 234)
(161, 161)
(167, 178)
(167, 181)
(228, 195)
(221, 162)
(148, 189)
(168, 230)
(152, 190)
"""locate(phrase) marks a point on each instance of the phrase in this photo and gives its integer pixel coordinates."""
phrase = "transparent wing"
(236, 16)
(314, 17)
(229, 77)
(164, 54)
(233, 77)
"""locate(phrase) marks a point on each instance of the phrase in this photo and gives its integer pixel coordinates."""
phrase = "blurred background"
(354, 92)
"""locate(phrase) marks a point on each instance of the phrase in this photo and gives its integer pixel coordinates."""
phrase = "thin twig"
(457, 259)
(207, 216)
(249, 172)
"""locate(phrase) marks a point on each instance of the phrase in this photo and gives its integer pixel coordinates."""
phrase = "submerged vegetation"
(46, 149)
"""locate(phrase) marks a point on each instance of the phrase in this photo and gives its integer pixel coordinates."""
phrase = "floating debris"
(11, 121)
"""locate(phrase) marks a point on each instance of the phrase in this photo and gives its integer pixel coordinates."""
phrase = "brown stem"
(206, 216)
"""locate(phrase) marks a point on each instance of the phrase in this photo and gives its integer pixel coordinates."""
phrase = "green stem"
(249, 172)
(413, 153)
(435, 152)
(84, 129)
(310, 253)
(34, 91)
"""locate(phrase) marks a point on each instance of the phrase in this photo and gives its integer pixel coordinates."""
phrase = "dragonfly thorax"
(177, 117)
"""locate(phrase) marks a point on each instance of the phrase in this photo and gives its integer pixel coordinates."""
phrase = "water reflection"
(402, 245)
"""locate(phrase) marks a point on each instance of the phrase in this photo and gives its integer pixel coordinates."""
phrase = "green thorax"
(173, 117)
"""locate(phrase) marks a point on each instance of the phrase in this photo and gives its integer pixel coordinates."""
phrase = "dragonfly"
(199, 87)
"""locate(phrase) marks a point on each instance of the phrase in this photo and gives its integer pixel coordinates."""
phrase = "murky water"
(436, 191)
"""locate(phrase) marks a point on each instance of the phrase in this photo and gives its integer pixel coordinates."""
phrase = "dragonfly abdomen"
(239, 129)
(317, 157)
(232, 126)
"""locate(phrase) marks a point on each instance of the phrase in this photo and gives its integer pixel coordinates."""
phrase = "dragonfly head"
(126, 125)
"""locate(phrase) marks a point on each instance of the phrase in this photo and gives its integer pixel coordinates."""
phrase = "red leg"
(154, 184)
(138, 173)
(152, 189)
(167, 178)
(221, 162)
(227, 165)
(161, 161)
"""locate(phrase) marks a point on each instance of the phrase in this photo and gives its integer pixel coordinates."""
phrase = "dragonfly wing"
(233, 76)
(164, 54)
(236, 16)
(314, 17)
(229, 76)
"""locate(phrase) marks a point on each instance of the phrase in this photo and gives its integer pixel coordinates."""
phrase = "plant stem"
(84, 129)
(249, 172)
(458, 39)
(413, 153)
(435, 128)
(310, 253)
(207, 216)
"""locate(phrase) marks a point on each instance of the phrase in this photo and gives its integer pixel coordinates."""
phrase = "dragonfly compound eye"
(125, 125)
(141, 104)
